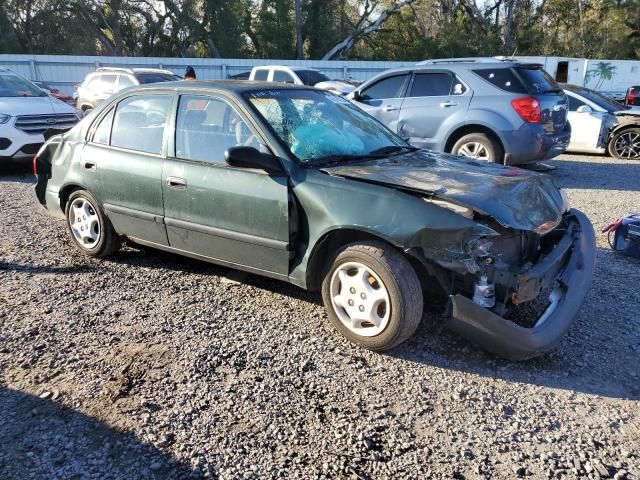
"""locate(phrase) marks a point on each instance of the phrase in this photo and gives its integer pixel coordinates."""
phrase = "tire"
(88, 226)
(386, 272)
(625, 144)
(469, 144)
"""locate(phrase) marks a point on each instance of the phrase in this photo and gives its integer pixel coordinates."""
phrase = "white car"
(301, 76)
(26, 112)
(600, 125)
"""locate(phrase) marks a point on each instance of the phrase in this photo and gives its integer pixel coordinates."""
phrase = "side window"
(102, 132)
(283, 77)
(432, 85)
(261, 74)
(108, 82)
(139, 123)
(207, 126)
(390, 87)
(93, 82)
(574, 103)
(125, 81)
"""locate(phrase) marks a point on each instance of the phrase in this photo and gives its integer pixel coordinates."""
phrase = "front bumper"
(507, 339)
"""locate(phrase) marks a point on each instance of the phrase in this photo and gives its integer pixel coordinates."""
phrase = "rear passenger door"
(383, 99)
(125, 154)
(434, 100)
(234, 216)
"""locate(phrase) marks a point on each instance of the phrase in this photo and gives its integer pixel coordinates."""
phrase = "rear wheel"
(625, 144)
(479, 146)
(89, 227)
(373, 295)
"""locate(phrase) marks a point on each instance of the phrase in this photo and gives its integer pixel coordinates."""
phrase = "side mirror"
(249, 157)
(584, 109)
(355, 95)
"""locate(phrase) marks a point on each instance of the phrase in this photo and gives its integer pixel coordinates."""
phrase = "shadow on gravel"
(26, 268)
(17, 171)
(597, 176)
(43, 439)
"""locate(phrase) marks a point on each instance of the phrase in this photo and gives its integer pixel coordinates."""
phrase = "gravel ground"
(151, 366)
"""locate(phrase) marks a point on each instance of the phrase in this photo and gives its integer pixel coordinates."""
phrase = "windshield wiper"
(389, 149)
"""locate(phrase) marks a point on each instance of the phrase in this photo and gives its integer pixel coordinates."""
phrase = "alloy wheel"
(474, 150)
(627, 145)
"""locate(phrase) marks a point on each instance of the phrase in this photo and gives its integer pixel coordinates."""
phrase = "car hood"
(342, 88)
(634, 111)
(515, 198)
(15, 106)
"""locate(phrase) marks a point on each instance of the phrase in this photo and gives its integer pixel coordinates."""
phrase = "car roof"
(233, 86)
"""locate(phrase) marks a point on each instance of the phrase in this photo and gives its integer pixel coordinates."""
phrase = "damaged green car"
(299, 185)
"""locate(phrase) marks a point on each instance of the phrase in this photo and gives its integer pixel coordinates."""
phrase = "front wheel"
(625, 144)
(89, 227)
(480, 147)
(373, 295)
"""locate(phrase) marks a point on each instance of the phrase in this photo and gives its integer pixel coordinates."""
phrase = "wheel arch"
(65, 193)
(331, 241)
(460, 132)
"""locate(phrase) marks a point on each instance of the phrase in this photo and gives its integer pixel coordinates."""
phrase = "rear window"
(538, 80)
(311, 77)
(503, 78)
(156, 77)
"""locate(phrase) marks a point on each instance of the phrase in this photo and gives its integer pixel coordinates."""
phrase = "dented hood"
(514, 197)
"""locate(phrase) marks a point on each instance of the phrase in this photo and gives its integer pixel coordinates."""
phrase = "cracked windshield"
(322, 127)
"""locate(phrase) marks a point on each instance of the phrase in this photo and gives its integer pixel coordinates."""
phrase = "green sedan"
(299, 185)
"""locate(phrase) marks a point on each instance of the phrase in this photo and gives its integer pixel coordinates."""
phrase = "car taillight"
(528, 108)
(632, 94)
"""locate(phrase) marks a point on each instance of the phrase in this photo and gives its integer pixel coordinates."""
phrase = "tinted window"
(125, 81)
(139, 123)
(432, 85)
(261, 74)
(574, 103)
(390, 87)
(207, 126)
(283, 77)
(503, 78)
(538, 80)
(157, 77)
(311, 77)
(14, 86)
(604, 102)
(103, 130)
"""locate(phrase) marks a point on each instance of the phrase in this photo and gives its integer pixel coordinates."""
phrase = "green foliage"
(266, 28)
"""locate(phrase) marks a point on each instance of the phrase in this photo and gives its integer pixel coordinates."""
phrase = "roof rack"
(133, 70)
(436, 61)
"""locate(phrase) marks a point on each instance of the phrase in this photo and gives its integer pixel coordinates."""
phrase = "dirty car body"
(317, 175)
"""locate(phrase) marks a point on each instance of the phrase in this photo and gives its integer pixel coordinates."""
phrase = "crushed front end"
(516, 292)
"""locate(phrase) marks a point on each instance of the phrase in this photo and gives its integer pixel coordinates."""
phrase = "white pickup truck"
(302, 76)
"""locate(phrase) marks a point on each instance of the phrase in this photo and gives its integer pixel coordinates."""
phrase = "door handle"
(90, 165)
(448, 104)
(176, 182)
(389, 108)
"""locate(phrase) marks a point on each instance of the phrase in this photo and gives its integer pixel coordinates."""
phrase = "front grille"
(37, 124)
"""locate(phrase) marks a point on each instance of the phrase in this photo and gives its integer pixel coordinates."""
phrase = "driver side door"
(234, 216)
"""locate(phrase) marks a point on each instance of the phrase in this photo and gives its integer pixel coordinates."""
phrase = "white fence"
(65, 71)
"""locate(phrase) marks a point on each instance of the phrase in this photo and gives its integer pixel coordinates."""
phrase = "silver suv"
(105, 81)
(496, 110)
